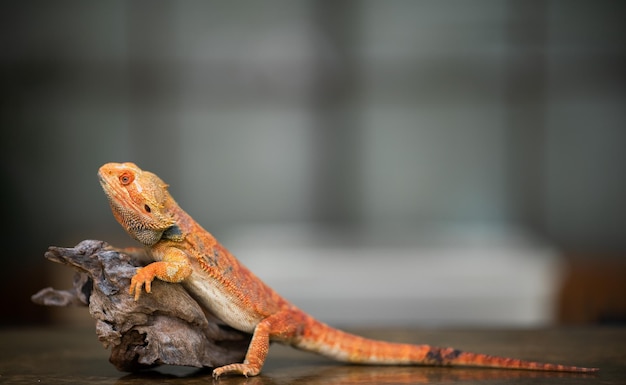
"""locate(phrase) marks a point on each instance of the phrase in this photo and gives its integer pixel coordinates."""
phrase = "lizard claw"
(246, 370)
(143, 277)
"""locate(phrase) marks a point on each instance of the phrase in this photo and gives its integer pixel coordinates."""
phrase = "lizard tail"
(336, 344)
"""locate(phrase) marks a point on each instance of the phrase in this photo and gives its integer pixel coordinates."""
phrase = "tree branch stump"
(166, 326)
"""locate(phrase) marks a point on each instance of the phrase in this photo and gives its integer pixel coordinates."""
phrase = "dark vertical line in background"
(336, 130)
(154, 86)
(525, 92)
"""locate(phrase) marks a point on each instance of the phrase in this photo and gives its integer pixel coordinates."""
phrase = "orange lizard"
(186, 253)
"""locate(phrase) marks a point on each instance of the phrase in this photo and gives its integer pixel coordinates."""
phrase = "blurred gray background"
(398, 142)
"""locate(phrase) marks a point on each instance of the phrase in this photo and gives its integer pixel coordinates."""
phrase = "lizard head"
(137, 199)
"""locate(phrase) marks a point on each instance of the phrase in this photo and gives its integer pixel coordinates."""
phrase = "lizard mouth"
(101, 179)
(105, 185)
(109, 188)
(101, 176)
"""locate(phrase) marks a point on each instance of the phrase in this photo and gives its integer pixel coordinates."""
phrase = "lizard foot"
(247, 370)
(143, 276)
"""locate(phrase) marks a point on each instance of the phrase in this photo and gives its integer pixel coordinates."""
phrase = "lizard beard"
(148, 231)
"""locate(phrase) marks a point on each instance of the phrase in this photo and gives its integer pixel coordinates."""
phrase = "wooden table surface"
(65, 356)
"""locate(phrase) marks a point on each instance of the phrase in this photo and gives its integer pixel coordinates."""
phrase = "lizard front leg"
(174, 266)
(280, 326)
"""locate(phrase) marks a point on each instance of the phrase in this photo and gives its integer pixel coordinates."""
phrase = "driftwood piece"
(166, 326)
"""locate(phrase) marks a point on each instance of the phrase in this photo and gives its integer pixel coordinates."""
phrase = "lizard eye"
(126, 178)
(147, 208)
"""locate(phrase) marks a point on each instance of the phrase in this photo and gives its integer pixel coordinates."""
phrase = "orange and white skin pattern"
(185, 253)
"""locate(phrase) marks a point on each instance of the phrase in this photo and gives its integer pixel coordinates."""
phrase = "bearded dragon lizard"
(185, 253)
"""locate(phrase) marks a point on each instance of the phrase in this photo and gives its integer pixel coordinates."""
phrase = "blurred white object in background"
(448, 277)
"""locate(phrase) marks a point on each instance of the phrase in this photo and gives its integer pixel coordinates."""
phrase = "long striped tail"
(336, 344)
